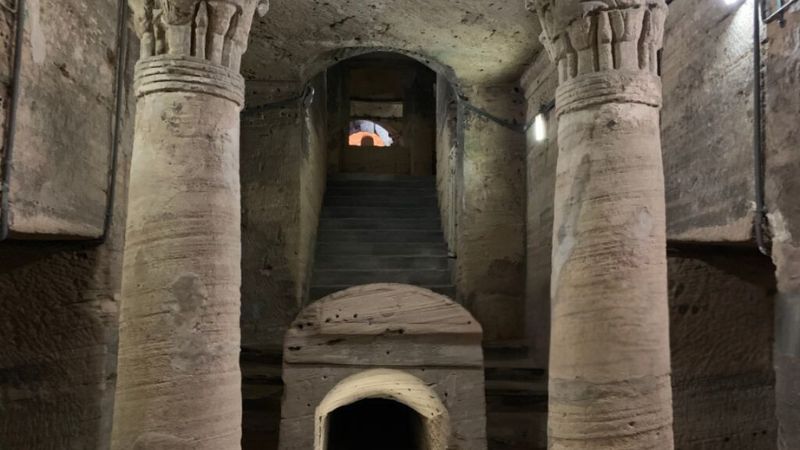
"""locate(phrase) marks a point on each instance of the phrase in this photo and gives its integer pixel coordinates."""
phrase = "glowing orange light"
(357, 139)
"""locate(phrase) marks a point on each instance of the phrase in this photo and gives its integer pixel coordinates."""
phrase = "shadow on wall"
(721, 319)
(58, 311)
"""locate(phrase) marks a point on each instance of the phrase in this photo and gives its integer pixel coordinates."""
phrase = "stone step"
(381, 200)
(324, 277)
(363, 262)
(507, 354)
(379, 224)
(516, 387)
(317, 292)
(380, 212)
(526, 374)
(358, 237)
(368, 180)
(389, 191)
(382, 249)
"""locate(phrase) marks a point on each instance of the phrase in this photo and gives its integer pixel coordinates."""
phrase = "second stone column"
(610, 357)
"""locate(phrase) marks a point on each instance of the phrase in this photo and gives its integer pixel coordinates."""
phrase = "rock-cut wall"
(59, 301)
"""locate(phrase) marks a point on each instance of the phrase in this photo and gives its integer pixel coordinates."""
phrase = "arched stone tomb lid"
(385, 325)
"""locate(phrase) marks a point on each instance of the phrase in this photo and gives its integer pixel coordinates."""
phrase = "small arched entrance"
(403, 357)
(374, 421)
(382, 408)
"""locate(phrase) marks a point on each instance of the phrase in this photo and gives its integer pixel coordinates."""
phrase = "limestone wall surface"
(283, 181)
(782, 142)
(447, 159)
(707, 120)
(59, 300)
(283, 164)
(782, 158)
(63, 132)
(540, 83)
(491, 236)
(270, 214)
(721, 310)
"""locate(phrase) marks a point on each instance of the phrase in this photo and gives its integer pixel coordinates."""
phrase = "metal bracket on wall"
(781, 6)
(511, 125)
(305, 95)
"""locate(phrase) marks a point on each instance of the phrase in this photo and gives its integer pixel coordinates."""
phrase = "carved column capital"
(193, 45)
(593, 40)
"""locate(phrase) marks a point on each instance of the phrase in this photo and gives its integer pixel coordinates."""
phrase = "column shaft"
(609, 356)
(179, 380)
(610, 382)
(179, 384)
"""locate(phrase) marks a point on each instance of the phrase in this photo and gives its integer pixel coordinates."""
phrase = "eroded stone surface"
(59, 304)
(783, 188)
(721, 332)
(60, 166)
(609, 360)
(707, 121)
(179, 379)
(478, 42)
(490, 211)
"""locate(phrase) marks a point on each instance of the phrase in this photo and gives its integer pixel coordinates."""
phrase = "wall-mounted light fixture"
(540, 128)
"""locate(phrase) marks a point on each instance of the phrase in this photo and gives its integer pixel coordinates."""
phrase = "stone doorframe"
(388, 384)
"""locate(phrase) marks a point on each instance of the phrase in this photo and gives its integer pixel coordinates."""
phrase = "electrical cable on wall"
(760, 220)
(5, 165)
(116, 127)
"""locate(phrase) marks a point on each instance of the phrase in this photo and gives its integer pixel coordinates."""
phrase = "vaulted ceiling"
(479, 41)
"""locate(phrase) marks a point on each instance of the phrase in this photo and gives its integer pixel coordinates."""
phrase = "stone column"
(179, 381)
(609, 357)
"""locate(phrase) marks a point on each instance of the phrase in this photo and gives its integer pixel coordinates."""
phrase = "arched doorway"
(389, 98)
(375, 423)
(382, 409)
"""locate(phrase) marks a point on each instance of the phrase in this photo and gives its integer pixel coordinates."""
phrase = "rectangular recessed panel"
(60, 160)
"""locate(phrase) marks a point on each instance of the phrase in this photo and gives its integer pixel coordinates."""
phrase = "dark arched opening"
(391, 99)
(375, 424)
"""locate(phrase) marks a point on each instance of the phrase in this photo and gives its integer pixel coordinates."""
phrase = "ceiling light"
(540, 128)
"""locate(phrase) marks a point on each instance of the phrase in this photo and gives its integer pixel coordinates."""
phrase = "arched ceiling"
(481, 41)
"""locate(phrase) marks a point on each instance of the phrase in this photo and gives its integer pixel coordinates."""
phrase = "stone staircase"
(516, 398)
(380, 229)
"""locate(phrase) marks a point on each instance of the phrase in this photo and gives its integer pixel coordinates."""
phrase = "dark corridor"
(375, 424)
